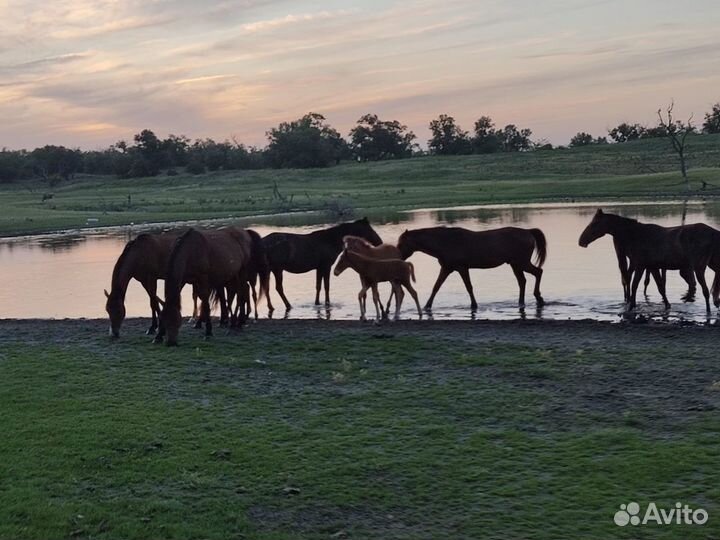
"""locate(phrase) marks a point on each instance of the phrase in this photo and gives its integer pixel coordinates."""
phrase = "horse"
(647, 246)
(300, 253)
(209, 260)
(458, 250)
(701, 244)
(373, 271)
(145, 259)
(380, 252)
(626, 276)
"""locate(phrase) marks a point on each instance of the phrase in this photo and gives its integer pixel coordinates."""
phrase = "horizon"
(87, 74)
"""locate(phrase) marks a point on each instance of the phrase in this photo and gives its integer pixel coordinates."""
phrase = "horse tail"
(216, 297)
(259, 258)
(540, 247)
(412, 271)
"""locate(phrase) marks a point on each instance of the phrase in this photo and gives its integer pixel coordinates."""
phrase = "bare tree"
(677, 132)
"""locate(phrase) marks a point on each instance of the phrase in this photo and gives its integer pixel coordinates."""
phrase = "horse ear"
(599, 212)
(365, 220)
(107, 294)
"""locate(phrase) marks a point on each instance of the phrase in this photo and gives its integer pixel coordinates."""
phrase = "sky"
(87, 73)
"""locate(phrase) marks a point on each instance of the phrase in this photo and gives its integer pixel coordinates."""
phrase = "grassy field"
(312, 429)
(638, 170)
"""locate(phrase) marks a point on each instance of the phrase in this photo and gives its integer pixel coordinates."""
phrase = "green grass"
(642, 169)
(316, 430)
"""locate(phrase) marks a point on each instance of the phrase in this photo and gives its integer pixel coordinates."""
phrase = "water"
(63, 276)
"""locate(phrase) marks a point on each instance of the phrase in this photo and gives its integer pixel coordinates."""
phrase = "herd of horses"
(230, 267)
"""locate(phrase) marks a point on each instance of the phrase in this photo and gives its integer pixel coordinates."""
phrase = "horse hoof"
(150, 332)
(540, 302)
(157, 340)
(172, 344)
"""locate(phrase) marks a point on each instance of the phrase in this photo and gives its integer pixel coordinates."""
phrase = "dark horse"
(145, 258)
(210, 260)
(300, 253)
(647, 247)
(458, 249)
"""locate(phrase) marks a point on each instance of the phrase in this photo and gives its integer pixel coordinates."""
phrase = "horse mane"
(172, 281)
(119, 264)
(357, 239)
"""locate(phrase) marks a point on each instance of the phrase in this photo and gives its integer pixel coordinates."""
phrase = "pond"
(63, 275)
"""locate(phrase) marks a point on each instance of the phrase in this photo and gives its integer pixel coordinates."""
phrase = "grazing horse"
(647, 247)
(300, 253)
(210, 260)
(373, 271)
(458, 249)
(383, 251)
(145, 258)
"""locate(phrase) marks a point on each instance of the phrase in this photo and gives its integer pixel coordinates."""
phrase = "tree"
(374, 139)
(626, 132)
(485, 139)
(447, 137)
(712, 120)
(53, 162)
(581, 139)
(513, 139)
(303, 143)
(677, 131)
(150, 158)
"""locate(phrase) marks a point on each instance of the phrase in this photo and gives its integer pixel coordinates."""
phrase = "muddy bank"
(539, 333)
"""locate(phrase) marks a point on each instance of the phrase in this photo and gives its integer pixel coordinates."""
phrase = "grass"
(337, 430)
(642, 169)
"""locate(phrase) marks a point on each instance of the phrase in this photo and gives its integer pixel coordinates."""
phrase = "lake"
(63, 275)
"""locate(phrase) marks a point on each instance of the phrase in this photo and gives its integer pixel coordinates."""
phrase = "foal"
(381, 252)
(398, 272)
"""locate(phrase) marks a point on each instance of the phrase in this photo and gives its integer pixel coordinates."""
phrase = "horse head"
(363, 229)
(115, 307)
(342, 263)
(597, 228)
(406, 244)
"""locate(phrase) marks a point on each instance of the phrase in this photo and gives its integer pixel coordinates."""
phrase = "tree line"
(304, 143)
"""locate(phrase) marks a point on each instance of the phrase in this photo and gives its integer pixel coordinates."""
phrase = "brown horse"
(647, 247)
(380, 252)
(701, 244)
(458, 250)
(300, 253)
(144, 259)
(210, 260)
(373, 271)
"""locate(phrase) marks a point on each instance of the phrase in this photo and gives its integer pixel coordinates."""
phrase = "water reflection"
(64, 275)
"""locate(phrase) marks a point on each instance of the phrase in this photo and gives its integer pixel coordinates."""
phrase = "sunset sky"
(88, 73)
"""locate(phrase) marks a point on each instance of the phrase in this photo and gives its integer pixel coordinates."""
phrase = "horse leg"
(376, 301)
(254, 299)
(520, 276)
(647, 282)
(414, 295)
(637, 276)
(399, 295)
(318, 286)
(225, 302)
(361, 299)
(700, 275)
(442, 276)
(205, 314)
(688, 275)
(326, 280)
(538, 273)
(151, 288)
(465, 275)
(196, 318)
(387, 308)
(279, 287)
(657, 274)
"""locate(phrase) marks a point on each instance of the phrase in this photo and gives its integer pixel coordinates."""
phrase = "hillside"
(638, 170)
